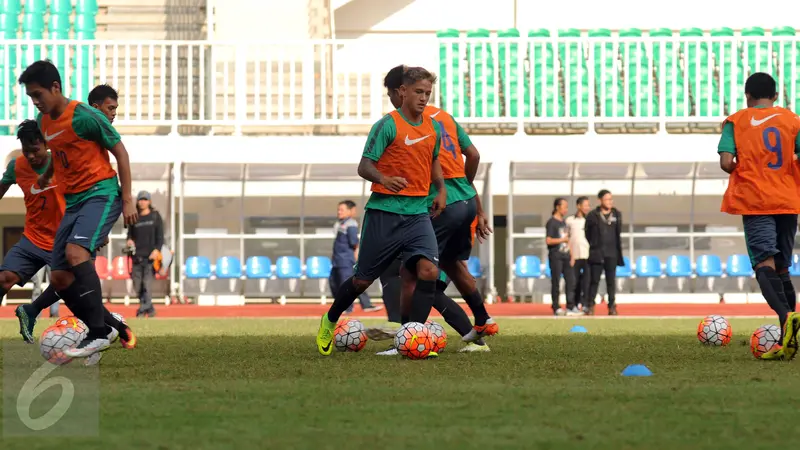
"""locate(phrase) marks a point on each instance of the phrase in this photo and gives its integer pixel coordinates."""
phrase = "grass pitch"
(260, 384)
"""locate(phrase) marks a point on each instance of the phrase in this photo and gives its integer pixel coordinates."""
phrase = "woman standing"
(579, 251)
(557, 240)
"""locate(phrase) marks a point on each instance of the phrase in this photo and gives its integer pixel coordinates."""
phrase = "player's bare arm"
(727, 162)
(437, 179)
(124, 168)
(368, 171)
(3, 189)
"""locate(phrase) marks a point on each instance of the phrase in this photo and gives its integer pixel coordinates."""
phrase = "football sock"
(44, 300)
(453, 314)
(90, 298)
(391, 297)
(475, 303)
(788, 290)
(772, 288)
(343, 299)
(423, 299)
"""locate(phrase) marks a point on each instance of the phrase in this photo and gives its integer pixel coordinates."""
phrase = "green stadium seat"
(85, 23)
(35, 6)
(638, 75)
(480, 63)
(607, 74)
(60, 7)
(453, 89)
(11, 7)
(86, 7)
(758, 56)
(546, 93)
(508, 54)
(578, 98)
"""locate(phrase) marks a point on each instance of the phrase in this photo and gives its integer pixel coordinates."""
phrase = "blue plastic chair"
(474, 267)
(739, 266)
(794, 270)
(229, 267)
(679, 266)
(648, 266)
(288, 267)
(198, 267)
(318, 267)
(528, 266)
(258, 267)
(709, 266)
(625, 271)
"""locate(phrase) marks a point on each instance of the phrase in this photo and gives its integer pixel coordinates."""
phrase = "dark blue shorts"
(767, 236)
(385, 236)
(25, 259)
(453, 230)
(86, 224)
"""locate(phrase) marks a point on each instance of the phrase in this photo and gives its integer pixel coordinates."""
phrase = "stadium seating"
(699, 77)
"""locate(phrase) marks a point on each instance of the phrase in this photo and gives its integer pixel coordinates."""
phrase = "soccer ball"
(763, 339)
(72, 322)
(413, 340)
(119, 317)
(58, 338)
(438, 335)
(714, 330)
(349, 336)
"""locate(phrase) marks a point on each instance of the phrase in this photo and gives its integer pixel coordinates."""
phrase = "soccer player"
(44, 209)
(104, 98)
(758, 148)
(80, 138)
(454, 228)
(401, 160)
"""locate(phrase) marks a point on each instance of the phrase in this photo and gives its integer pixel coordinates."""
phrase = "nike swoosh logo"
(756, 123)
(80, 237)
(47, 137)
(327, 347)
(35, 191)
(436, 113)
(414, 141)
(86, 293)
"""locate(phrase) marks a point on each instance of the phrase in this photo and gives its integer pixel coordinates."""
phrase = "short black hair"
(603, 193)
(761, 85)
(349, 203)
(581, 199)
(557, 202)
(414, 74)
(100, 93)
(394, 79)
(44, 73)
(28, 133)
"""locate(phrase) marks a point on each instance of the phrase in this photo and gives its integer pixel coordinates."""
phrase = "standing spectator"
(603, 230)
(345, 253)
(145, 240)
(579, 250)
(558, 254)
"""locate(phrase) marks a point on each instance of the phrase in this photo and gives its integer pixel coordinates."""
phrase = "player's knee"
(61, 279)
(427, 270)
(8, 280)
(361, 285)
(77, 255)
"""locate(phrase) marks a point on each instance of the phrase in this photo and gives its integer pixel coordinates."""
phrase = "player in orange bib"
(401, 160)
(758, 149)
(44, 209)
(80, 138)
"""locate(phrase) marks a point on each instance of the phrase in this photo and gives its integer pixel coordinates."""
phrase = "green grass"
(252, 383)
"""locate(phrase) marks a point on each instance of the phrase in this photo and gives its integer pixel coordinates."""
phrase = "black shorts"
(454, 230)
(772, 235)
(385, 236)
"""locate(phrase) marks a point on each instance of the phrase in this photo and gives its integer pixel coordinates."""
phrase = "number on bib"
(62, 156)
(447, 141)
(769, 135)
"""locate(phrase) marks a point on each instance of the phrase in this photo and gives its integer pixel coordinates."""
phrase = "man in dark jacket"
(146, 238)
(603, 230)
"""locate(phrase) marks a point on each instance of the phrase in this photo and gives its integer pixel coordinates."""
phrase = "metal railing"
(514, 81)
